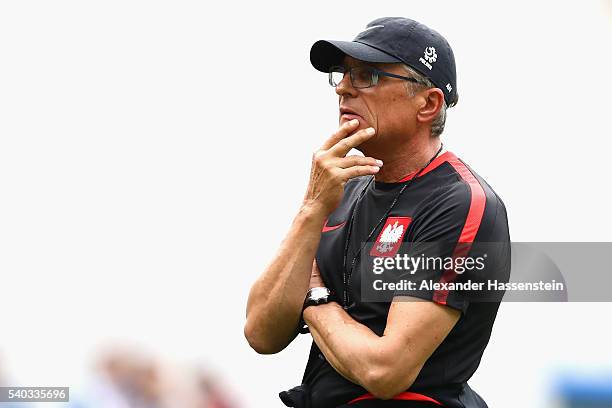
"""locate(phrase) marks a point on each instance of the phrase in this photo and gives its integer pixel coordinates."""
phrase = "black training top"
(447, 203)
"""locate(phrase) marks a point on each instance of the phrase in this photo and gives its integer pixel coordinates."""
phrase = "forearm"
(349, 346)
(275, 300)
(388, 364)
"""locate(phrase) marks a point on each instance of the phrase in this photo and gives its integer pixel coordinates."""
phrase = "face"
(386, 106)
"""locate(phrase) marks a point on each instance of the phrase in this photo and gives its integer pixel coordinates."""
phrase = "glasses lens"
(361, 77)
(336, 74)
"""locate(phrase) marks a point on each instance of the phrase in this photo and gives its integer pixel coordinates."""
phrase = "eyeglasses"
(363, 76)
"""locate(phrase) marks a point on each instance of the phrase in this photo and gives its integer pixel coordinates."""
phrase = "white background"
(153, 154)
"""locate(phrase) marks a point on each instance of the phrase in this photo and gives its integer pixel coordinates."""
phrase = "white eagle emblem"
(389, 237)
(430, 55)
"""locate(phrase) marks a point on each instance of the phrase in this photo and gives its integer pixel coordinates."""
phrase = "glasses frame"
(375, 75)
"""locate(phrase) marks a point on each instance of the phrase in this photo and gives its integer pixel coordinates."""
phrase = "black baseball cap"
(395, 40)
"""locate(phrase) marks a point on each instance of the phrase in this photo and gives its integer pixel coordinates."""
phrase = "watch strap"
(313, 301)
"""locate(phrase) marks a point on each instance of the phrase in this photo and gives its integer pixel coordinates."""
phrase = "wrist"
(318, 296)
(310, 211)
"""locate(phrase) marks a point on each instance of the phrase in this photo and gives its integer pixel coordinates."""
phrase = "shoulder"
(463, 199)
(465, 187)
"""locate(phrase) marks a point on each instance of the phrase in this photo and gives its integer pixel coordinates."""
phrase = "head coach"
(394, 82)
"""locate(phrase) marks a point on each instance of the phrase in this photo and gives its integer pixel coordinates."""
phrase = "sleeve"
(448, 246)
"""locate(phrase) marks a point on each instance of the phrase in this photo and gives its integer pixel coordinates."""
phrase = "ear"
(432, 101)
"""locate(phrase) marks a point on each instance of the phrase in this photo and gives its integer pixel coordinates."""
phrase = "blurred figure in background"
(583, 388)
(212, 395)
(123, 378)
(127, 377)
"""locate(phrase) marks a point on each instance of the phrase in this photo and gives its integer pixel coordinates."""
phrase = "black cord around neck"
(347, 276)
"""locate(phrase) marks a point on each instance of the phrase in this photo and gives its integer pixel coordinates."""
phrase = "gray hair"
(437, 125)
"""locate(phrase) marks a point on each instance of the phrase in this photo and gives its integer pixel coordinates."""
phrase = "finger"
(350, 161)
(342, 132)
(345, 145)
(357, 171)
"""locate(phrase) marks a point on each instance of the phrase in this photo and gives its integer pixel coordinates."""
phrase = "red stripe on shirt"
(471, 226)
(434, 164)
(404, 396)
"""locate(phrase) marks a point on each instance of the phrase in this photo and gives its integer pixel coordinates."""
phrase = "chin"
(363, 124)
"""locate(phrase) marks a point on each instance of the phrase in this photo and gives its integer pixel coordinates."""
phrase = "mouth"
(349, 114)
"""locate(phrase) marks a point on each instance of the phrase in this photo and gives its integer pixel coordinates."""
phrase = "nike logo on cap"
(369, 28)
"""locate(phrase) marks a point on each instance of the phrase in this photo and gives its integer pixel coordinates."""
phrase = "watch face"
(319, 293)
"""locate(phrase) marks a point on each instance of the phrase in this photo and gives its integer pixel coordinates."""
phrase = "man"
(394, 82)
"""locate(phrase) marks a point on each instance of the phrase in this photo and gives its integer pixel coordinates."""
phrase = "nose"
(345, 87)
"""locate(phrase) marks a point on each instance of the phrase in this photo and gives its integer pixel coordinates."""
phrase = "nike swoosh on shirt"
(327, 228)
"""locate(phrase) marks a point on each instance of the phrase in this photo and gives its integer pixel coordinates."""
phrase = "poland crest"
(391, 236)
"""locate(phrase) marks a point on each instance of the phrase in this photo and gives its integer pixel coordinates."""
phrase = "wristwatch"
(314, 297)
